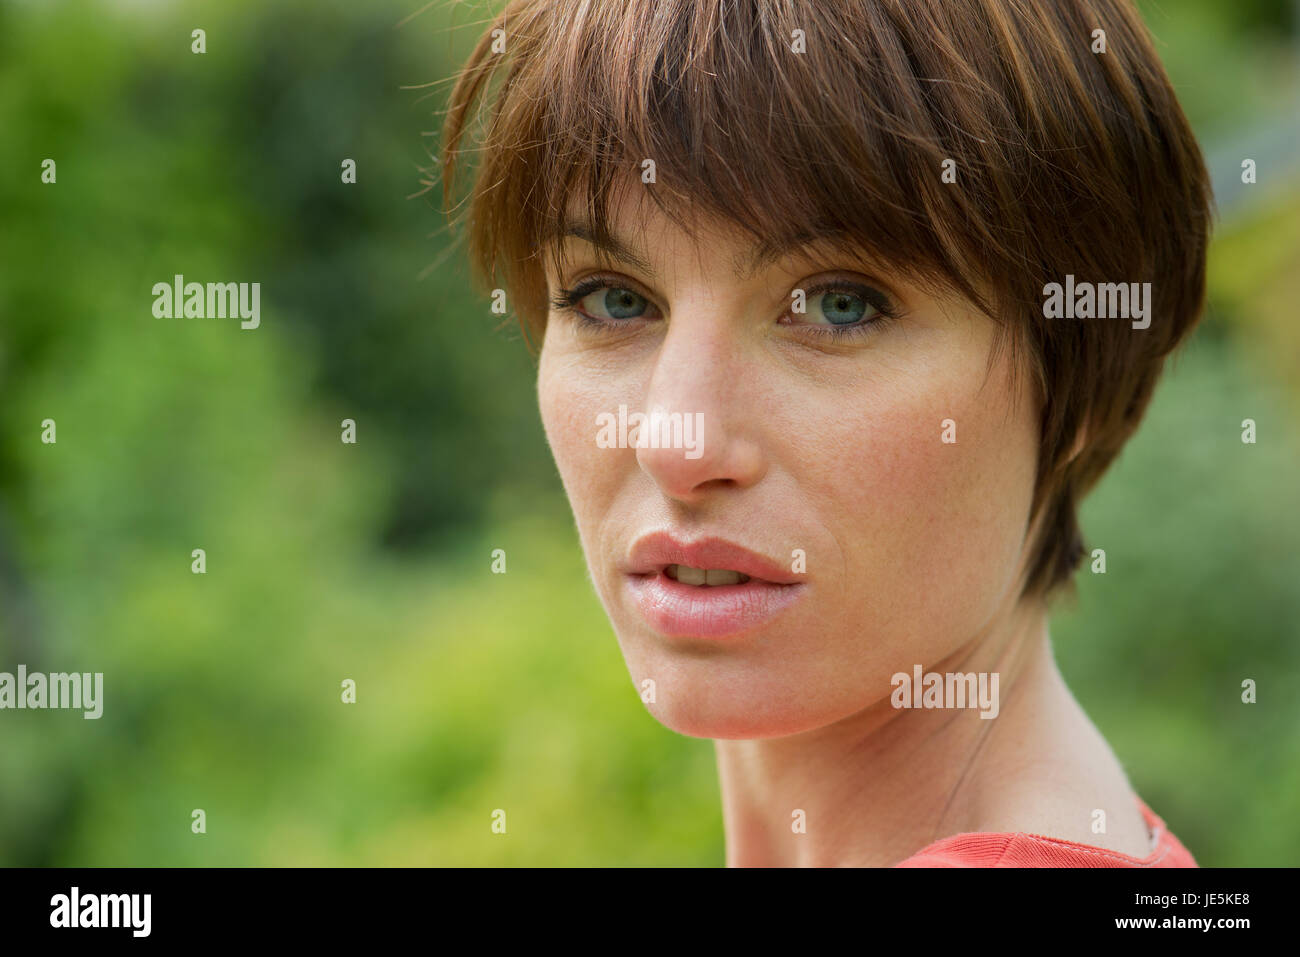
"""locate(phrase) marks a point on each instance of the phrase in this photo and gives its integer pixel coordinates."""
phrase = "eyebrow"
(611, 245)
(761, 254)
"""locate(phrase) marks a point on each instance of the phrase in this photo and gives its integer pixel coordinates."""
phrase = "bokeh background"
(326, 561)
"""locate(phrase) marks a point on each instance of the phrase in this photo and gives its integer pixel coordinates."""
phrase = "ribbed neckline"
(990, 848)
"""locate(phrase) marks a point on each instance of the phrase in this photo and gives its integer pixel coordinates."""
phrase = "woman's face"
(859, 460)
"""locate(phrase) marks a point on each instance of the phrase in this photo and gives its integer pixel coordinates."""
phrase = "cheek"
(932, 528)
(563, 412)
(570, 398)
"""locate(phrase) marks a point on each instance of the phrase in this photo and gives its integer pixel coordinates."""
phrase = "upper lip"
(654, 552)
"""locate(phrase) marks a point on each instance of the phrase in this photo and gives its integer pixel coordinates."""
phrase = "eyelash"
(567, 301)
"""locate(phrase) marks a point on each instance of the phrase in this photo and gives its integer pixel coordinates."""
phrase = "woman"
(841, 307)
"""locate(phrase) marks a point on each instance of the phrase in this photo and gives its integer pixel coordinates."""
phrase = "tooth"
(721, 576)
(690, 576)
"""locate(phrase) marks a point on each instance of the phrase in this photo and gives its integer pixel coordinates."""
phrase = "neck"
(881, 784)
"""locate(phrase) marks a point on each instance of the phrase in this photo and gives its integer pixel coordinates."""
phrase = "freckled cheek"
(569, 408)
(910, 508)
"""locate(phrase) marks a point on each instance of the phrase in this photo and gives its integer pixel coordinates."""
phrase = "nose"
(701, 399)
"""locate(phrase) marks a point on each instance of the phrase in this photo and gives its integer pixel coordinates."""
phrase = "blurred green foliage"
(1229, 60)
(372, 562)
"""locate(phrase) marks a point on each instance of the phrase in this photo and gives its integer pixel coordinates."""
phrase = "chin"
(737, 721)
(701, 693)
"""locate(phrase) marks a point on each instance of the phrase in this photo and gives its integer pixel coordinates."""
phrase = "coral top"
(1033, 850)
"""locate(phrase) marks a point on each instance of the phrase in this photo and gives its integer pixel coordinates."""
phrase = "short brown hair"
(1068, 161)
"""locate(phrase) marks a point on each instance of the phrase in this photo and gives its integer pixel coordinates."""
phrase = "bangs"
(708, 109)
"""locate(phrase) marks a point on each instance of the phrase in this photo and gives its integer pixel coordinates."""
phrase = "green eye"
(617, 303)
(841, 308)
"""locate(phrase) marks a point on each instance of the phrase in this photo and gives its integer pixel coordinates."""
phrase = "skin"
(915, 547)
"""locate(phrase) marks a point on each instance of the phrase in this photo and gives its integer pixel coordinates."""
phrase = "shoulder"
(1018, 849)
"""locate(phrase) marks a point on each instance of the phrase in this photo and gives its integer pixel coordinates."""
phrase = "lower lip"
(708, 611)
